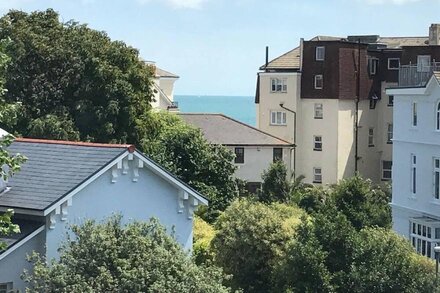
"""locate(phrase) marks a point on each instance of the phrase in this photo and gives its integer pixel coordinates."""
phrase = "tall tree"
(73, 82)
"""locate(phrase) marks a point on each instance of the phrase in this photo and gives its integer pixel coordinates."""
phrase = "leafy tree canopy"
(73, 82)
(110, 257)
(251, 238)
(184, 151)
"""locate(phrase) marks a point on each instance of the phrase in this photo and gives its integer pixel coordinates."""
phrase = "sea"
(241, 108)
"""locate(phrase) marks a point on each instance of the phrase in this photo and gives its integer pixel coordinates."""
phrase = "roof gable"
(56, 170)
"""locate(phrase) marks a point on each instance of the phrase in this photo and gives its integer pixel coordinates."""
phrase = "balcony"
(416, 75)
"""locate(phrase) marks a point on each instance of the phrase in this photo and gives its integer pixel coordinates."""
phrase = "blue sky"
(216, 46)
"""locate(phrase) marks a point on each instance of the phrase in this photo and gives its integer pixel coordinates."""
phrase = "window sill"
(280, 92)
(317, 150)
(412, 197)
(317, 182)
(278, 124)
(385, 180)
(389, 142)
(371, 145)
(318, 118)
(390, 105)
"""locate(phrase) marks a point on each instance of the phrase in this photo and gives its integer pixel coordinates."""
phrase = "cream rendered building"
(163, 86)
(312, 95)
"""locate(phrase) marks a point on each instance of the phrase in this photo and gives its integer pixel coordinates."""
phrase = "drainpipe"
(356, 124)
(294, 136)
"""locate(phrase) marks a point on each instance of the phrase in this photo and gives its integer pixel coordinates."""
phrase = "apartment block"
(327, 96)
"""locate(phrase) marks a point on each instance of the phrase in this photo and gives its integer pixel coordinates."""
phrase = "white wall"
(258, 159)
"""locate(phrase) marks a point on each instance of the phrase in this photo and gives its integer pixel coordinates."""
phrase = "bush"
(203, 235)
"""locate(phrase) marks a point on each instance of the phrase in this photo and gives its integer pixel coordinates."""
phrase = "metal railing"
(414, 75)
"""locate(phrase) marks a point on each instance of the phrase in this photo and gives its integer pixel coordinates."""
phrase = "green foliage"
(385, 262)
(275, 187)
(203, 235)
(7, 227)
(184, 151)
(109, 257)
(250, 239)
(96, 88)
(363, 204)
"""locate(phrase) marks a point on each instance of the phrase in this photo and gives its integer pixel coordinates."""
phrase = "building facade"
(416, 155)
(328, 97)
(163, 88)
(254, 149)
(64, 183)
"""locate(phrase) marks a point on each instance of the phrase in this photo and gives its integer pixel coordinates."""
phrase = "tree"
(73, 82)
(183, 150)
(363, 204)
(110, 257)
(251, 238)
(275, 185)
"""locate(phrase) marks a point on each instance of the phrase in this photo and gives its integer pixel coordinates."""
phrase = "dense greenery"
(184, 151)
(276, 186)
(250, 239)
(111, 257)
(73, 82)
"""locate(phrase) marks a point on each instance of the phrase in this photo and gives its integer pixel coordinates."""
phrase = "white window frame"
(436, 178)
(424, 235)
(6, 287)
(389, 62)
(413, 180)
(437, 117)
(320, 53)
(371, 136)
(373, 63)
(414, 114)
(317, 175)
(278, 85)
(317, 142)
(319, 76)
(390, 133)
(422, 65)
(278, 118)
(319, 111)
(386, 178)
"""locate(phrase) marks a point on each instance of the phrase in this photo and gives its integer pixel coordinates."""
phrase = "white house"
(416, 162)
(163, 87)
(254, 149)
(65, 183)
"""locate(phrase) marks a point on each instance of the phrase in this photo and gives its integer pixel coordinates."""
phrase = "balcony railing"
(414, 75)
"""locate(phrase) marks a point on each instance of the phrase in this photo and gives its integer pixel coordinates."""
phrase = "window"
(239, 155)
(319, 112)
(390, 133)
(436, 178)
(393, 63)
(278, 85)
(5, 287)
(413, 174)
(373, 63)
(390, 101)
(437, 118)
(423, 63)
(371, 137)
(278, 118)
(414, 114)
(319, 82)
(317, 175)
(277, 154)
(320, 53)
(317, 143)
(424, 235)
(386, 170)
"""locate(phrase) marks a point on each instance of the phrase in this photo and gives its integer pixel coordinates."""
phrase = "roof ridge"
(131, 148)
(282, 55)
(242, 123)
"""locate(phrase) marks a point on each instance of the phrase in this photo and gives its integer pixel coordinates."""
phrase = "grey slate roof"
(220, 129)
(53, 170)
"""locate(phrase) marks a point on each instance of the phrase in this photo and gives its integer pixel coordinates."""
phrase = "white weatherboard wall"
(257, 159)
(150, 196)
(13, 265)
(424, 142)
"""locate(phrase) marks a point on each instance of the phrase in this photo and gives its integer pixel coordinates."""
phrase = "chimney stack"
(267, 57)
(434, 34)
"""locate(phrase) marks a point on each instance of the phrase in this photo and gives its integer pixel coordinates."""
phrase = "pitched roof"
(220, 129)
(53, 169)
(289, 60)
(163, 73)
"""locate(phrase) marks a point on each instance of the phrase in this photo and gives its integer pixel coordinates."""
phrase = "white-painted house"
(65, 183)
(163, 87)
(416, 162)
(254, 149)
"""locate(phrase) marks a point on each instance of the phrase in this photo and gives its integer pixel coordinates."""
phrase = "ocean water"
(241, 108)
